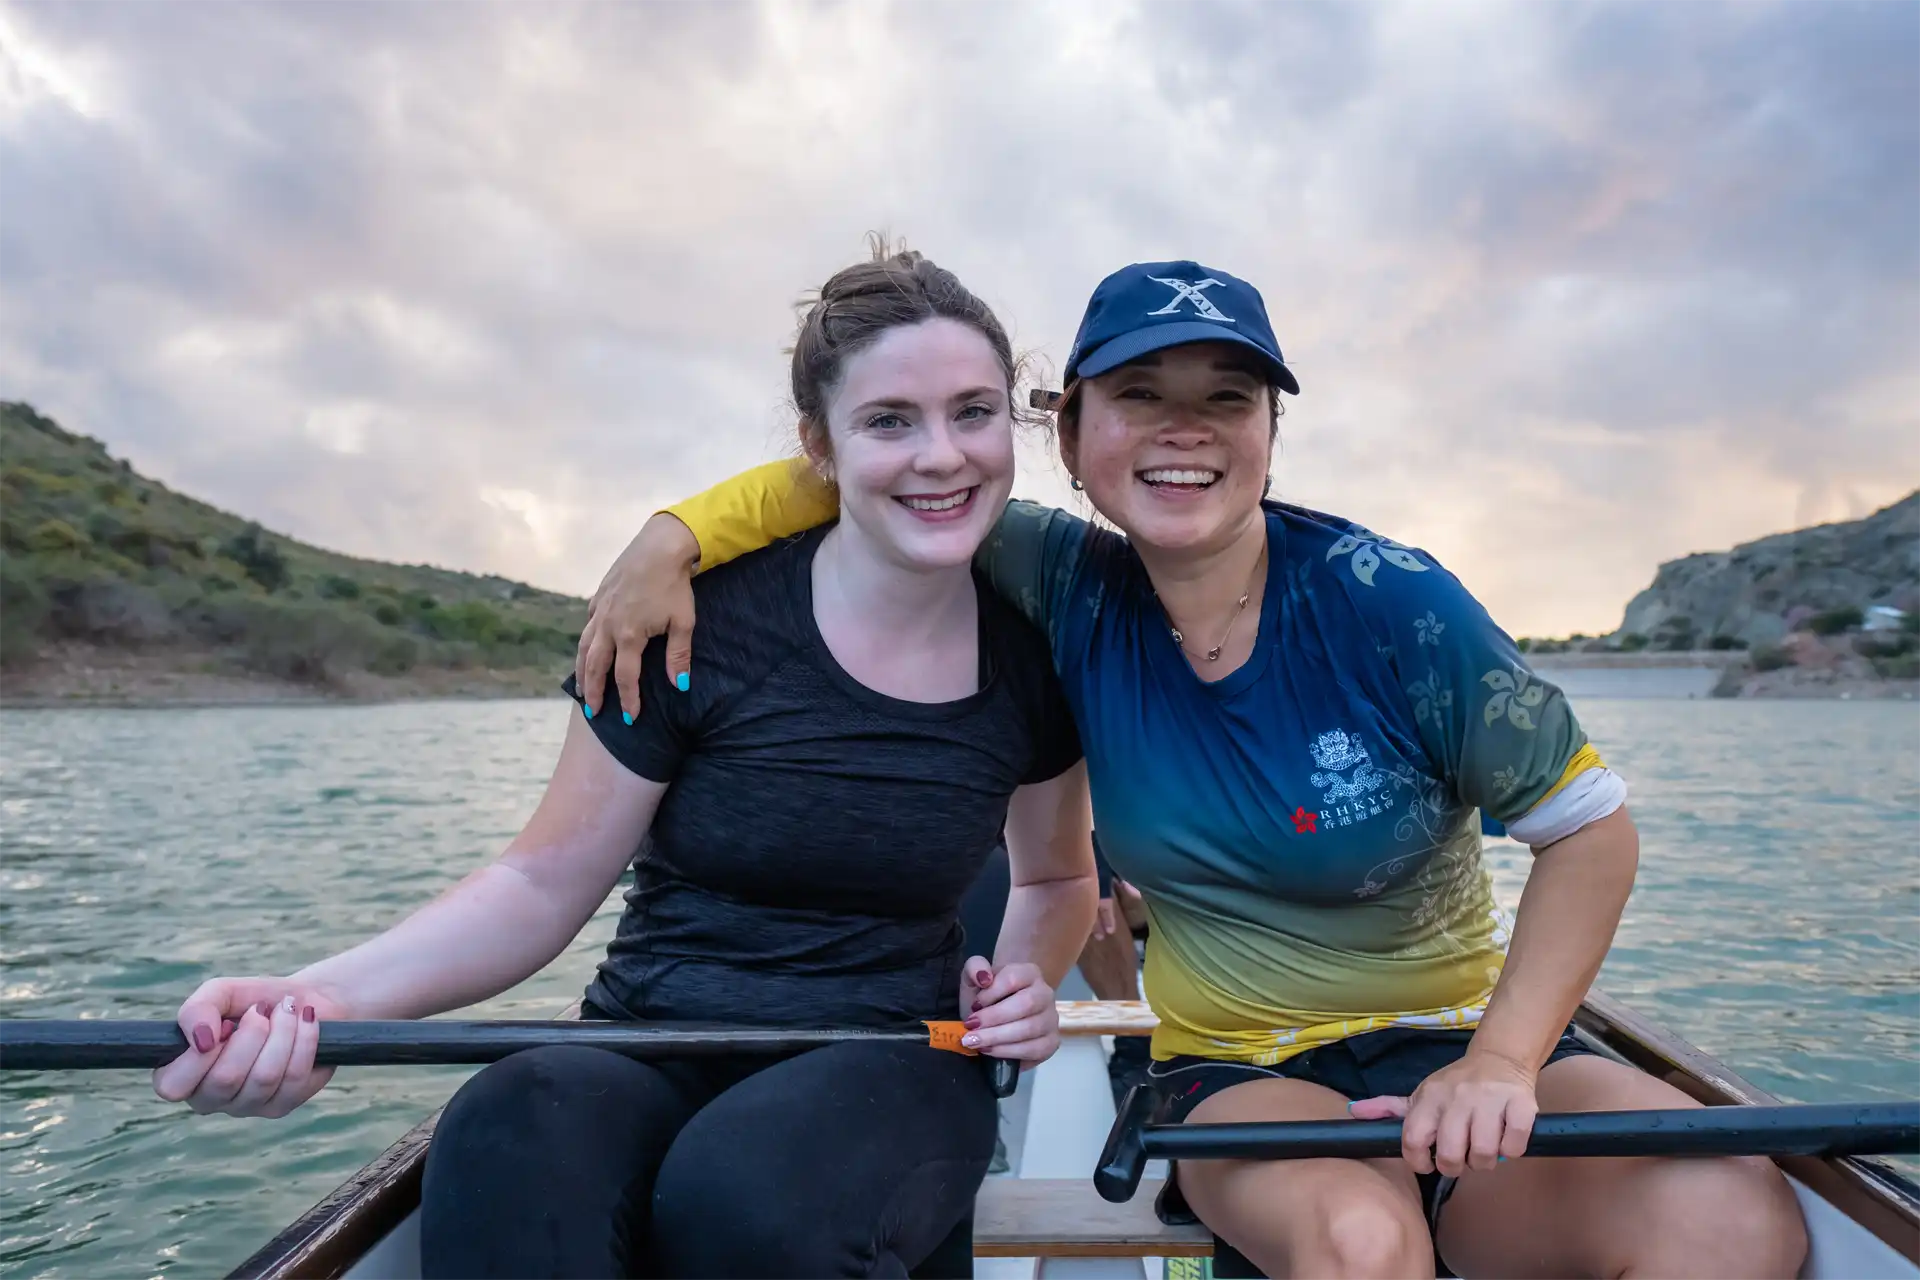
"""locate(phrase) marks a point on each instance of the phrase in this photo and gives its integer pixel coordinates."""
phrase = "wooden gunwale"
(1872, 1194)
(326, 1241)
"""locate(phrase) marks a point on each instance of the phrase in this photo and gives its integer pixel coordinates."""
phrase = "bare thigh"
(1307, 1217)
(1620, 1217)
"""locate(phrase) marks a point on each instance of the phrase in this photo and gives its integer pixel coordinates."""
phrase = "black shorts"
(1392, 1062)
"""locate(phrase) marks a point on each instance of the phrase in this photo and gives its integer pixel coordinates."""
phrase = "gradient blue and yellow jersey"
(1305, 832)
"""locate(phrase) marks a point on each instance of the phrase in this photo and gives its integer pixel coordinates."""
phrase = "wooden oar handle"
(90, 1045)
(1825, 1129)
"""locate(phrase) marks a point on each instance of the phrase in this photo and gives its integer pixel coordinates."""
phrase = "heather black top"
(807, 864)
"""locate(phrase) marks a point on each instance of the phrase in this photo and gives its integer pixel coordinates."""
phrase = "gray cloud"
(1572, 288)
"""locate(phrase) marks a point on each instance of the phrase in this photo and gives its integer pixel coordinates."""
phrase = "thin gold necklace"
(1239, 607)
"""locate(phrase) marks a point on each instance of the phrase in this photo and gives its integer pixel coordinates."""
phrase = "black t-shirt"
(807, 864)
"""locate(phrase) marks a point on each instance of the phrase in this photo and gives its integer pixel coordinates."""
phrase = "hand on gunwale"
(1470, 1114)
(1009, 1013)
(251, 1047)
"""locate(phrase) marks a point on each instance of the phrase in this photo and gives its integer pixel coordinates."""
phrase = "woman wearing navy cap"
(1290, 722)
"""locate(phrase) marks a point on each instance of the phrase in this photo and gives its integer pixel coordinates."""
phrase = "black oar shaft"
(87, 1045)
(1827, 1130)
(1814, 1130)
(49, 1045)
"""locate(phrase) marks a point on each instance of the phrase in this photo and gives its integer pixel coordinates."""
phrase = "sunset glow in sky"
(1571, 289)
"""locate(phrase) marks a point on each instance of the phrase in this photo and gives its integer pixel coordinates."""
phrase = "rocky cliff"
(1757, 592)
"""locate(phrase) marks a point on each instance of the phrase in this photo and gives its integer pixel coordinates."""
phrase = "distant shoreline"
(1707, 673)
(85, 676)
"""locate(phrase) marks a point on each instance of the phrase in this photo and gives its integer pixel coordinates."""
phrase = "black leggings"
(854, 1160)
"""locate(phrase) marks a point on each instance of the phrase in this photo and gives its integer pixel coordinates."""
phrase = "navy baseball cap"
(1152, 305)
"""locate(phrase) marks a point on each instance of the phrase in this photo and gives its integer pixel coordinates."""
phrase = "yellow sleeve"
(756, 509)
(1584, 759)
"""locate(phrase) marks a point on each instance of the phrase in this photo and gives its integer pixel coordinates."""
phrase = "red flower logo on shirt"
(1305, 823)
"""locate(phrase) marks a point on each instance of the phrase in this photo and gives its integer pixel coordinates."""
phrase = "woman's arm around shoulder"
(1029, 560)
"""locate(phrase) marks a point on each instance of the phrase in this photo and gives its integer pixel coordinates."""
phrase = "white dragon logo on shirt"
(1349, 769)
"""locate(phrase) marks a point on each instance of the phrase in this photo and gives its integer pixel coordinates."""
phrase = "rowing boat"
(1863, 1216)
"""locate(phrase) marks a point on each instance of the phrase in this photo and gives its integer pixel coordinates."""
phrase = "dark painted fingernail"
(264, 1008)
(971, 1024)
(681, 682)
(977, 1006)
(203, 1039)
(226, 1029)
(307, 1014)
(626, 717)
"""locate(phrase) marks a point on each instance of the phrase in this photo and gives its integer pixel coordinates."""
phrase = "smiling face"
(1174, 447)
(920, 442)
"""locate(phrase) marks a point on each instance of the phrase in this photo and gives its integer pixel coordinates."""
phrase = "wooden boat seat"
(1045, 1217)
(1065, 1218)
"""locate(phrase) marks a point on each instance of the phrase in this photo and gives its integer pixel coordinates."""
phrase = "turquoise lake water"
(1776, 923)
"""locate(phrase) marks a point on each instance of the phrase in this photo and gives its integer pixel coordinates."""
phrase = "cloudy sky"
(1571, 288)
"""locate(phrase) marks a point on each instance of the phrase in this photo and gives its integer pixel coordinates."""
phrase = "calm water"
(1776, 923)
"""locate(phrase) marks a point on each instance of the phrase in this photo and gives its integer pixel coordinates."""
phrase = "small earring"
(1075, 485)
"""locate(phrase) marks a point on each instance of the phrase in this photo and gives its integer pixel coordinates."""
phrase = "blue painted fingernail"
(681, 682)
(626, 717)
(1500, 1160)
(589, 709)
(1349, 1106)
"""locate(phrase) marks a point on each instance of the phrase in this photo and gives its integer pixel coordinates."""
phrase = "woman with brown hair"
(1291, 726)
(808, 815)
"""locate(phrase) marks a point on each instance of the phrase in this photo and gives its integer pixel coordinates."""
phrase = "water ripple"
(1776, 923)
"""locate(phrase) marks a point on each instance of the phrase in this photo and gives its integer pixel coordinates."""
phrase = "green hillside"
(94, 553)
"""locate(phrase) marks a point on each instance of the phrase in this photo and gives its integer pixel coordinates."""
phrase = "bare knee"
(1368, 1237)
(1727, 1218)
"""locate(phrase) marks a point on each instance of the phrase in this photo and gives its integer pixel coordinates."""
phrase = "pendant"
(1213, 655)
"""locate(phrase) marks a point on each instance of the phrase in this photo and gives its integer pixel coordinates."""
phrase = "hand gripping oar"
(1824, 1129)
(92, 1045)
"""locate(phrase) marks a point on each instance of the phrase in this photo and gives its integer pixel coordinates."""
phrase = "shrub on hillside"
(1771, 657)
(140, 542)
(1675, 634)
(471, 622)
(253, 552)
(334, 586)
(397, 655)
(1905, 666)
(1632, 642)
(309, 643)
(109, 610)
(1723, 643)
(55, 536)
(1889, 644)
(1834, 621)
(23, 612)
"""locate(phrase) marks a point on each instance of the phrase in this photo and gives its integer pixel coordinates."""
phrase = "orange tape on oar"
(1003, 1072)
(946, 1035)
